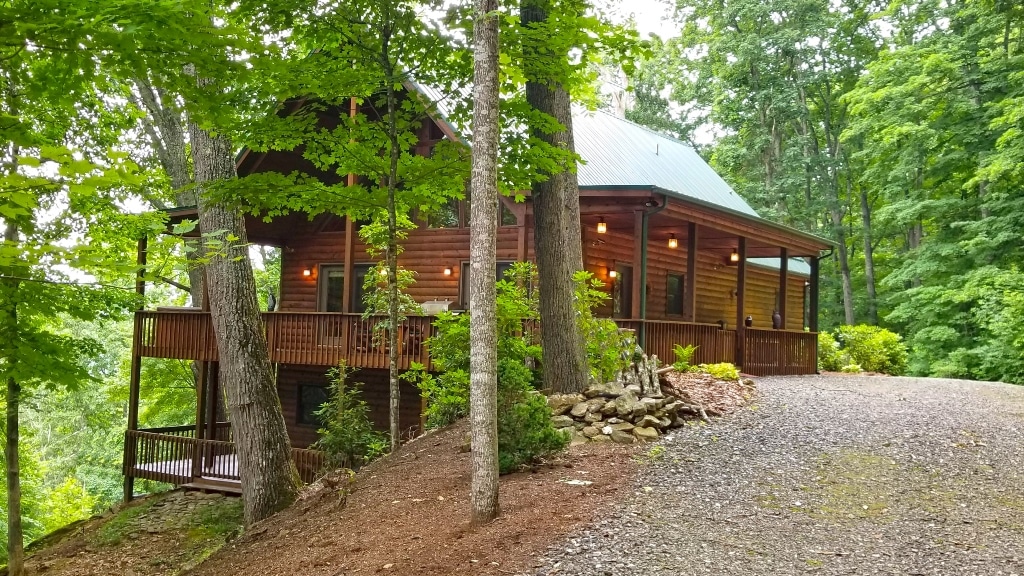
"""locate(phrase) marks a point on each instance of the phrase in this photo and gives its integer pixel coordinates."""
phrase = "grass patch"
(123, 523)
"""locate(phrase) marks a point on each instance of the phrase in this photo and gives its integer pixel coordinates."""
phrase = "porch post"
(212, 398)
(346, 285)
(135, 375)
(201, 400)
(741, 291)
(783, 284)
(638, 249)
(812, 320)
(690, 286)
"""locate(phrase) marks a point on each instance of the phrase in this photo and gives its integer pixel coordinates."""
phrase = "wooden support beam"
(690, 286)
(638, 248)
(347, 282)
(212, 399)
(135, 373)
(741, 292)
(783, 283)
(812, 320)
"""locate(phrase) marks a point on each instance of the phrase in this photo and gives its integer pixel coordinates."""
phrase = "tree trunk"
(844, 266)
(269, 480)
(165, 127)
(869, 258)
(556, 206)
(15, 538)
(483, 353)
(395, 152)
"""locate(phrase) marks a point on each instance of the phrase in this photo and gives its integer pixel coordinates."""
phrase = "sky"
(651, 16)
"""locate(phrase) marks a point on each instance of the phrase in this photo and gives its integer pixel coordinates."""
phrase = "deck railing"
(779, 352)
(314, 338)
(173, 455)
(324, 339)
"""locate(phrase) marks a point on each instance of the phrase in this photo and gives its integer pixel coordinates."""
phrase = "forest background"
(894, 128)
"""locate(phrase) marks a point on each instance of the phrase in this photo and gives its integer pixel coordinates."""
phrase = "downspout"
(653, 207)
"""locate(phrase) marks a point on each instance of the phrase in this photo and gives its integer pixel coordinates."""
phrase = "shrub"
(875, 349)
(610, 349)
(721, 371)
(684, 355)
(525, 433)
(830, 357)
(347, 435)
(851, 369)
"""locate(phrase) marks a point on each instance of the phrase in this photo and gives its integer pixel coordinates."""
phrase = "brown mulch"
(409, 514)
(717, 397)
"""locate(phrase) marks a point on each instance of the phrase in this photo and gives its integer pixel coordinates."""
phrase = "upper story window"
(445, 216)
(330, 293)
(499, 272)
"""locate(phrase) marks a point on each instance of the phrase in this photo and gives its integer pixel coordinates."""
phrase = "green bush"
(721, 371)
(875, 349)
(610, 349)
(830, 357)
(525, 433)
(347, 435)
(851, 369)
(684, 355)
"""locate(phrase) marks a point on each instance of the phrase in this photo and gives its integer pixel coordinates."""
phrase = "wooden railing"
(175, 456)
(324, 339)
(660, 336)
(779, 352)
(313, 338)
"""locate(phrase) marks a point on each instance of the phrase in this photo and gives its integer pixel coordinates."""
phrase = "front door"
(622, 292)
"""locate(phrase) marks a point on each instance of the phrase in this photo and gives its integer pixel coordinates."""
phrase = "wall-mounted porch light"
(734, 257)
(383, 272)
(613, 274)
(447, 271)
(307, 272)
(672, 242)
(602, 226)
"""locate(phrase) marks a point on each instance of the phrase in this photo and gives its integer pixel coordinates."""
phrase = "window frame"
(680, 294)
(500, 266)
(301, 409)
(323, 271)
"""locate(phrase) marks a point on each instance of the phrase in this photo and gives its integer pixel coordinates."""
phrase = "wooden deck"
(173, 455)
(324, 339)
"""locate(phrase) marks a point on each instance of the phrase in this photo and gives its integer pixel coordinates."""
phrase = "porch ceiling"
(276, 232)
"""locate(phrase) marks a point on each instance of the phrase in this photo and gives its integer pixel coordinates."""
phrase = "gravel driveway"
(826, 475)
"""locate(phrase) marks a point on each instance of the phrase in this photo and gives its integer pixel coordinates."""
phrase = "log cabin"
(685, 260)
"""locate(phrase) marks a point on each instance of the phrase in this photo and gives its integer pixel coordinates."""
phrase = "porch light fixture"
(602, 226)
(613, 274)
(447, 271)
(307, 272)
(734, 257)
(383, 272)
(672, 242)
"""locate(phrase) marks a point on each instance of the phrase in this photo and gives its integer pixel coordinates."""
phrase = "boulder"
(627, 405)
(606, 430)
(592, 417)
(649, 422)
(645, 434)
(590, 431)
(665, 422)
(614, 420)
(579, 425)
(635, 389)
(678, 422)
(623, 437)
(562, 421)
(579, 410)
(623, 426)
(601, 438)
(562, 403)
(650, 404)
(609, 408)
(578, 439)
(606, 390)
(596, 404)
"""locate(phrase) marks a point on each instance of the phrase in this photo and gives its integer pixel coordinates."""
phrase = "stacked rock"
(613, 412)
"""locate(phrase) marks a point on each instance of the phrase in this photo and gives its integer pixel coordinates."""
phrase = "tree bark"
(483, 403)
(842, 253)
(394, 156)
(869, 258)
(269, 480)
(15, 537)
(557, 235)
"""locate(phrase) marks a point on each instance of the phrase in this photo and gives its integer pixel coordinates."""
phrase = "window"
(499, 272)
(311, 397)
(331, 289)
(674, 286)
(359, 272)
(505, 216)
(444, 216)
(622, 292)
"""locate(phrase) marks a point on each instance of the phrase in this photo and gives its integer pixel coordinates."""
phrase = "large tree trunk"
(844, 265)
(869, 258)
(483, 343)
(556, 206)
(395, 152)
(269, 480)
(15, 539)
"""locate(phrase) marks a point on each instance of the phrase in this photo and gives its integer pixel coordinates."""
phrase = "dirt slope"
(408, 514)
